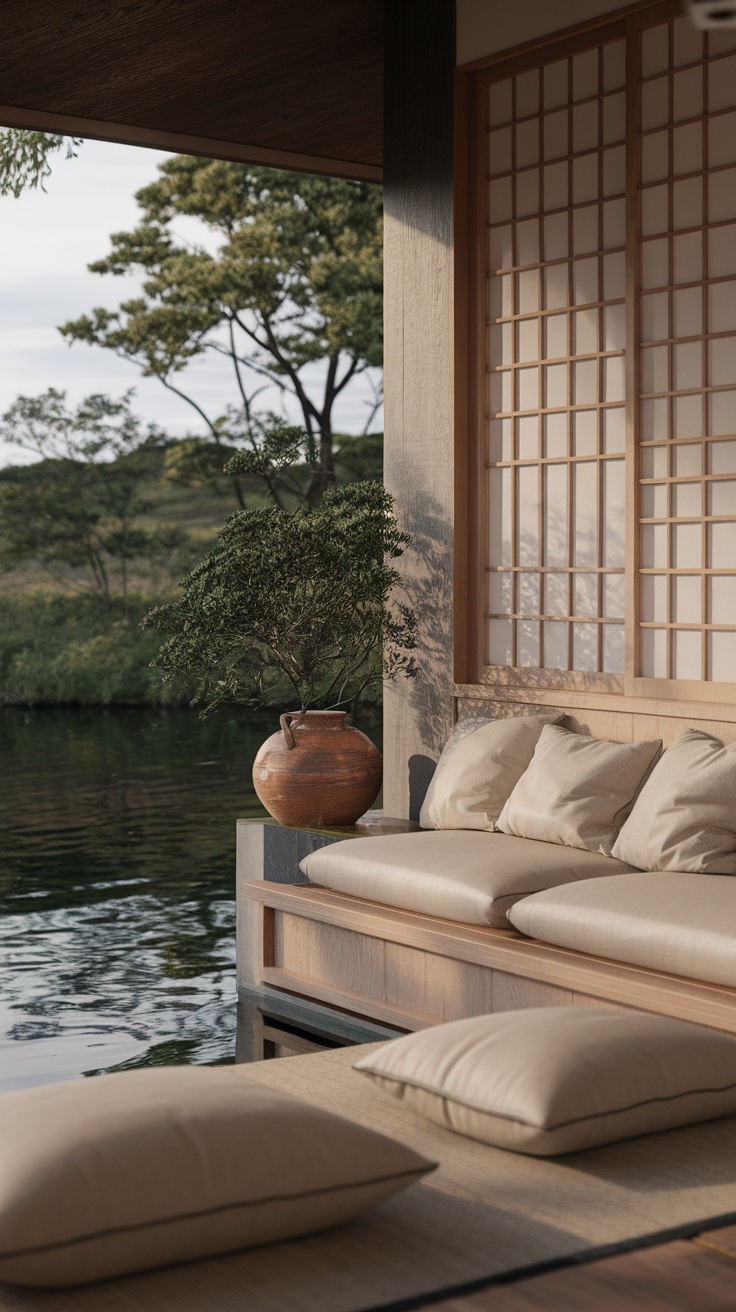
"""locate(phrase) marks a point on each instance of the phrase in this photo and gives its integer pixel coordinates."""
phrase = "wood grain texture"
(622, 719)
(418, 445)
(334, 948)
(267, 850)
(514, 993)
(676, 1277)
(722, 1240)
(355, 1004)
(280, 1043)
(273, 74)
(249, 866)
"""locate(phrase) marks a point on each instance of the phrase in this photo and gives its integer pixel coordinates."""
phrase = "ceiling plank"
(300, 82)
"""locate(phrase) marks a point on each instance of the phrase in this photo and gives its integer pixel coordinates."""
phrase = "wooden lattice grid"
(563, 437)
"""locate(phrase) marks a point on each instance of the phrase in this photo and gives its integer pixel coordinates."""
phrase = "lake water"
(117, 912)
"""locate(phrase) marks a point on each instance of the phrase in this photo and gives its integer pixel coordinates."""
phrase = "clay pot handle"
(285, 722)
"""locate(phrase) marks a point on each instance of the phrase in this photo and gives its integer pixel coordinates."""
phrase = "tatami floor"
(687, 1275)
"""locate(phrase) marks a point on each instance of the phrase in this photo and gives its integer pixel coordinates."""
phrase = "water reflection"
(116, 888)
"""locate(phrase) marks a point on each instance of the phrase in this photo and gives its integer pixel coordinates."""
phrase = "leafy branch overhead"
(289, 293)
(25, 158)
(293, 609)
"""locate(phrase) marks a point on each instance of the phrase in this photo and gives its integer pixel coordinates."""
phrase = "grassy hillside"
(62, 642)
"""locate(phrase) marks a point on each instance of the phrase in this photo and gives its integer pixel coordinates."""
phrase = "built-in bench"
(649, 942)
(408, 970)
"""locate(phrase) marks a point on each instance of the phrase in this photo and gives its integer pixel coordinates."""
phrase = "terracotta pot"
(317, 771)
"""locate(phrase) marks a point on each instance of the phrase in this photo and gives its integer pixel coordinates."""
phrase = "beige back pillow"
(122, 1173)
(577, 790)
(685, 815)
(557, 1079)
(477, 771)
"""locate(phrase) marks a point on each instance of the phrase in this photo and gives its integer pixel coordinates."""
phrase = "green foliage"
(24, 158)
(359, 458)
(296, 279)
(193, 462)
(80, 505)
(88, 650)
(293, 609)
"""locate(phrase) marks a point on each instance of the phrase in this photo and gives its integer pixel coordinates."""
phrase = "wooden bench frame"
(409, 970)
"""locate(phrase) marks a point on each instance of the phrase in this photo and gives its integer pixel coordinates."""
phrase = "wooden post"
(418, 200)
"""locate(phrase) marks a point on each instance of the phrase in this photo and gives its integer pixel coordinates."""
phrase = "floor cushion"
(125, 1172)
(457, 874)
(680, 923)
(557, 1079)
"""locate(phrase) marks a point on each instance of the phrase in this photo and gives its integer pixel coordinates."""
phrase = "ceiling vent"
(712, 13)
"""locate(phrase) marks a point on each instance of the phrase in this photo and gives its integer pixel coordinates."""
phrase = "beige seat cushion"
(557, 1079)
(481, 764)
(685, 815)
(577, 790)
(121, 1173)
(458, 875)
(682, 924)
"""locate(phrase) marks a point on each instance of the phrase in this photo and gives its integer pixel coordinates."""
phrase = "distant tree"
(25, 158)
(79, 505)
(296, 281)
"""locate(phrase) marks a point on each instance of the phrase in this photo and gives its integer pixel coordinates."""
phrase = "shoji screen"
(607, 214)
(556, 245)
(687, 383)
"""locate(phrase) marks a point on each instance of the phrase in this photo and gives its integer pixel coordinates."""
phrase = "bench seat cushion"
(680, 923)
(456, 874)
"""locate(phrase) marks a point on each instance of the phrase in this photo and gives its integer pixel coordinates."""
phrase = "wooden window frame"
(471, 381)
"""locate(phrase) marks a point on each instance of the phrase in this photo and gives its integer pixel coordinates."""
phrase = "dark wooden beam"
(268, 81)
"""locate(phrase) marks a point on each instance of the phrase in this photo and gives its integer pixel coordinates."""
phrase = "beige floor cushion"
(457, 874)
(683, 924)
(481, 764)
(577, 790)
(685, 815)
(125, 1172)
(557, 1079)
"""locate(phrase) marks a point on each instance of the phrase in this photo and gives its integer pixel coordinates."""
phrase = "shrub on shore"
(84, 650)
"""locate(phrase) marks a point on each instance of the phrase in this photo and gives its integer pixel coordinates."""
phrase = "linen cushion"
(478, 769)
(679, 923)
(577, 790)
(557, 1079)
(125, 1172)
(685, 815)
(470, 877)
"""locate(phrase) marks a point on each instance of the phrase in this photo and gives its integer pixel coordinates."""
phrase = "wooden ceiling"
(297, 82)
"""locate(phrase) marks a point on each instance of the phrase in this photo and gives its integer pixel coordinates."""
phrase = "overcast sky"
(47, 239)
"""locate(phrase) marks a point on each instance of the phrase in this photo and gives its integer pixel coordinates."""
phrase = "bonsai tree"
(293, 610)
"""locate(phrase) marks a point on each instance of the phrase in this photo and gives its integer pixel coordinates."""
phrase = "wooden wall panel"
(418, 191)
(626, 720)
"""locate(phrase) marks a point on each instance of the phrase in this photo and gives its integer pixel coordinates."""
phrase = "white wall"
(487, 26)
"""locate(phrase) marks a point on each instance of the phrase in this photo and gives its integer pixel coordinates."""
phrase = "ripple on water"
(117, 913)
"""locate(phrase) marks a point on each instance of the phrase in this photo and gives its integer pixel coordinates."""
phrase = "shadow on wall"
(428, 572)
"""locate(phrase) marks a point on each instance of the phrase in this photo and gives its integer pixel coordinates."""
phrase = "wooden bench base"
(409, 970)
